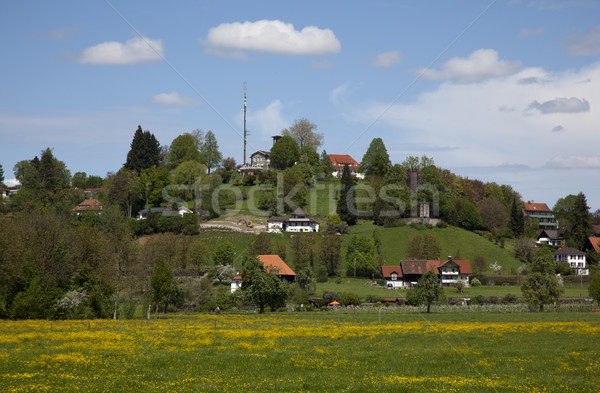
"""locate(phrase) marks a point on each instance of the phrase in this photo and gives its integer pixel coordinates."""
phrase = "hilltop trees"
(285, 153)
(424, 247)
(210, 151)
(185, 147)
(303, 132)
(376, 161)
(144, 152)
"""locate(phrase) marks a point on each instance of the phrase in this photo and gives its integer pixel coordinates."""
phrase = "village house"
(575, 259)
(592, 243)
(273, 264)
(297, 222)
(551, 237)
(407, 274)
(164, 210)
(89, 205)
(339, 161)
(541, 213)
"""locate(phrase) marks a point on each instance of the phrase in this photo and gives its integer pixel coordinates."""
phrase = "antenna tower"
(244, 122)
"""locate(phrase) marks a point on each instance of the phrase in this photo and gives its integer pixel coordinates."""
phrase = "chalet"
(541, 213)
(89, 205)
(339, 161)
(273, 264)
(551, 237)
(297, 222)
(408, 273)
(575, 259)
(260, 159)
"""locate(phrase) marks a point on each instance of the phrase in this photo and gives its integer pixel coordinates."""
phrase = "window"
(394, 276)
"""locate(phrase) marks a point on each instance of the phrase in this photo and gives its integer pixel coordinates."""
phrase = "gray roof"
(568, 251)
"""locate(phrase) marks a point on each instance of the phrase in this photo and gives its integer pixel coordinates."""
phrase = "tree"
(594, 289)
(580, 223)
(326, 165)
(346, 205)
(541, 285)
(517, 221)
(124, 189)
(197, 255)
(360, 256)
(468, 216)
(308, 155)
(424, 247)
(185, 147)
(331, 253)
(261, 288)
(1, 174)
(524, 249)
(303, 132)
(224, 253)
(285, 153)
(144, 152)
(162, 283)
(294, 188)
(376, 160)
(494, 215)
(261, 245)
(479, 265)
(228, 163)
(210, 151)
(153, 180)
(428, 290)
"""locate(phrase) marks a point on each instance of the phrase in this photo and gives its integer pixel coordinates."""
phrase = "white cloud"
(481, 65)
(574, 162)
(271, 36)
(531, 32)
(558, 128)
(561, 105)
(387, 59)
(12, 182)
(338, 94)
(174, 99)
(489, 122)
(268, 120)
(136, 50)
(584, 44)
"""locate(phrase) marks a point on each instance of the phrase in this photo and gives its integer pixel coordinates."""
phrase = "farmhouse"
(551, 237)
(339, 161)
(297, 222)
(541, 213)
(408, 273)
(575, 259)
(273, 264)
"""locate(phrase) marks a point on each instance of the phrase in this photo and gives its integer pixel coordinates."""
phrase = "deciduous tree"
(210, 151)
(185, 147)
(303, 132)
(284, 153)
(428, 290)
(224, 253)
(594, 289)
(541, 285)
(261, 288)
(376, 160)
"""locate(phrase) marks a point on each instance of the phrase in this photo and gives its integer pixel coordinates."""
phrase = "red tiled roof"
(539, 207)
(89, 204)
(595, 241)
(386, 271)
(274, 264)
(339, 160)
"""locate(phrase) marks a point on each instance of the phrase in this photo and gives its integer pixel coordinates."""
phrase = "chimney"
(449, 257)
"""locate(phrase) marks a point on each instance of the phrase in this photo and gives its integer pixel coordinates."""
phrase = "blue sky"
(504, 91)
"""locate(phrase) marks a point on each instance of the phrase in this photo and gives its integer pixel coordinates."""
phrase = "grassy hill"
(456, 242)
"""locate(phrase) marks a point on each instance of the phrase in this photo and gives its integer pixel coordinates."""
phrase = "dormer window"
(394, 276)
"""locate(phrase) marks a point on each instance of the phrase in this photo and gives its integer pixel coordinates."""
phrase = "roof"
(568, 251)
(274, 264)
(421, 267)
(298, 212)
(555, 234)
(89, 204)
(386, 271)
(262, 152)
(277, 219)
(339, 160)
(540, 207)
(595, 242)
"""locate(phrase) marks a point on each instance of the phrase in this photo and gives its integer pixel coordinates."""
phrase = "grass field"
(308, 352)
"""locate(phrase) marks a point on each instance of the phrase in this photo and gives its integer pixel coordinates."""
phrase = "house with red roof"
(408, 273)
(339, 161)
(592, 243)
(89, 205)
(273, 264)
(541, 213)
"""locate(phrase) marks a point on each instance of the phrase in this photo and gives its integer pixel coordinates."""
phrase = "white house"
(407, 274)
(551, 237)
(300, 222)
(575, 259)
(275, 224)
(392, 276)
(339, 161)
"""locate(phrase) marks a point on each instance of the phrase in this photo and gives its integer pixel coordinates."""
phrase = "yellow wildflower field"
(293, 352)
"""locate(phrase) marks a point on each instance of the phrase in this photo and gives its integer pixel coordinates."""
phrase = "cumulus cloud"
(584, 44)
(532, 80)
(574, 162)
(271, 36)
(174, 99)
(531, 32)
(558, 128)
(387, 59)
(136, 50)
(561, 105)
(268, 120)
(481, 65)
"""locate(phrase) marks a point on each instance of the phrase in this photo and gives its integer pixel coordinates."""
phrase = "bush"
(442, 225)
(475, 282)
(349, 298)
(509, 299)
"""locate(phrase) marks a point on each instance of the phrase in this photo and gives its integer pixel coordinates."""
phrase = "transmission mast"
(244, 122)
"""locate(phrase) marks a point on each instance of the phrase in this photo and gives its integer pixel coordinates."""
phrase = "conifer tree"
(346, 207)
(517, 221)
(144, 152)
